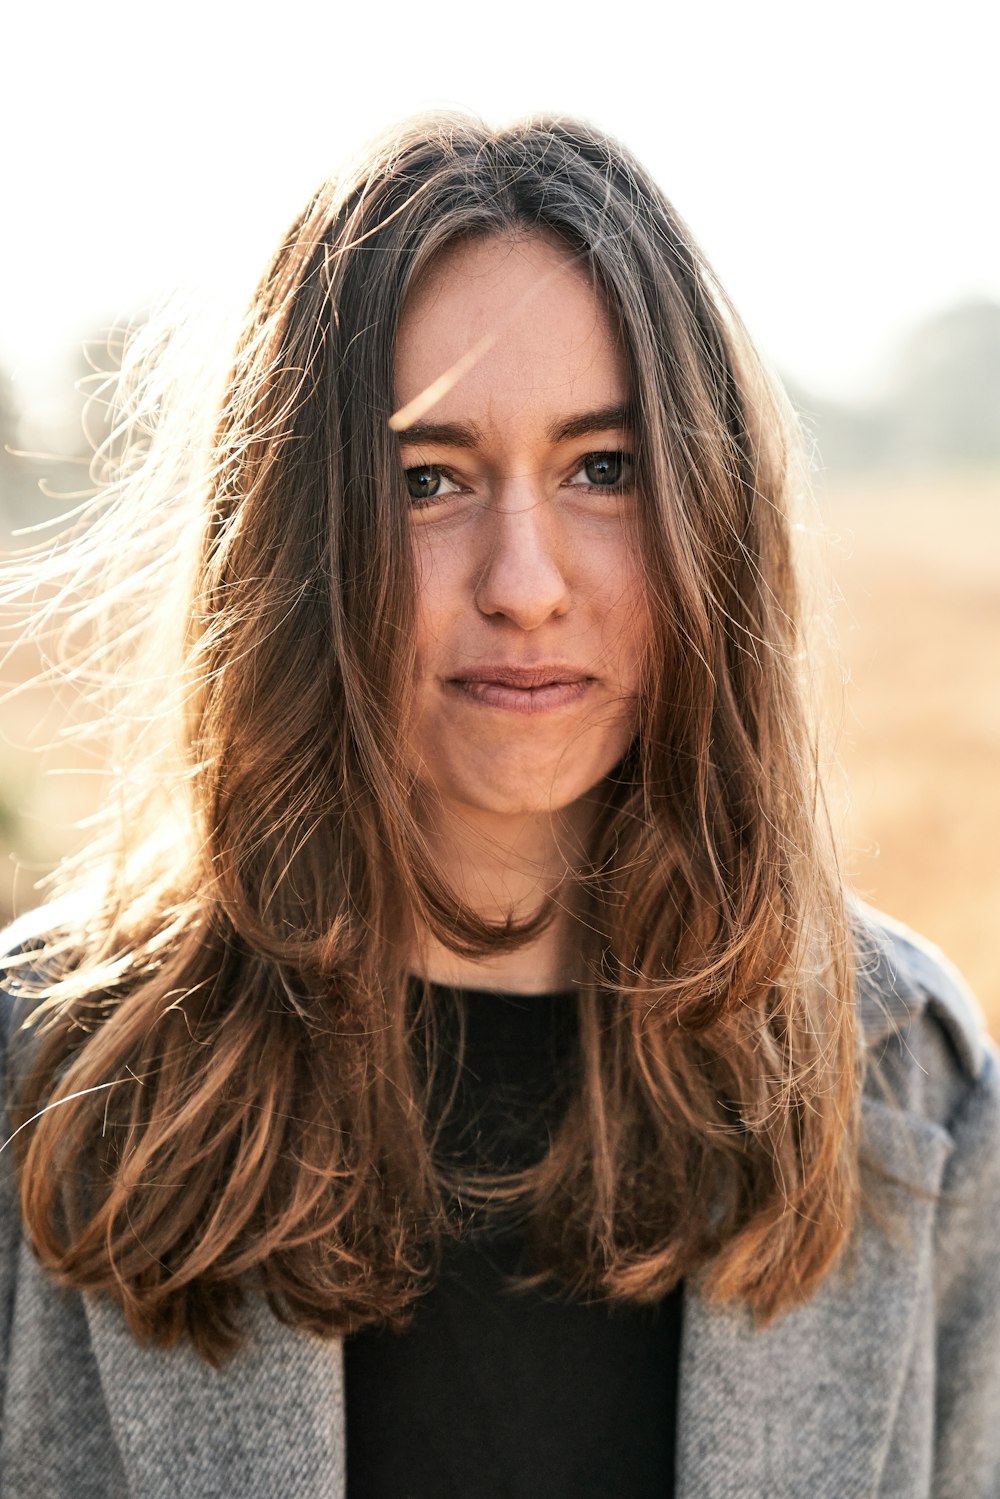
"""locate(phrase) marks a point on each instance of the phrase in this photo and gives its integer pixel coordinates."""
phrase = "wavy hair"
(230, 1034)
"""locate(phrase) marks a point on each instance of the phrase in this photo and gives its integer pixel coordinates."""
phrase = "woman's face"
(531, 621)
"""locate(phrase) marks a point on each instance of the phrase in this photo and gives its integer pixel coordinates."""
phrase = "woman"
(463, 1073)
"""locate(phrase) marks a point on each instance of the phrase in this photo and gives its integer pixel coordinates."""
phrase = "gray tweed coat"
(887, 1383)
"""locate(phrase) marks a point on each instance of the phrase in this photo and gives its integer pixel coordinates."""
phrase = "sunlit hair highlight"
(237, 969)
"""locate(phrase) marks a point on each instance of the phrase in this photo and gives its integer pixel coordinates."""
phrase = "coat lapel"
(271, 1423)
(808, 1404)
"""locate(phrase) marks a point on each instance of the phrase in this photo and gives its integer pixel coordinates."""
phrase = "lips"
(523, 689)
(524, 677)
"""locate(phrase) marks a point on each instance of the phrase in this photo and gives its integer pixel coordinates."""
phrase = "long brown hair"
(231, 1039)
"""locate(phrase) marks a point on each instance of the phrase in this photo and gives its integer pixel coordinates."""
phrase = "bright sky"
(838, 163)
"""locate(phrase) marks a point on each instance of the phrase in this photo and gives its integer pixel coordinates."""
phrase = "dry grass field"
(917, 788)
(918, 623)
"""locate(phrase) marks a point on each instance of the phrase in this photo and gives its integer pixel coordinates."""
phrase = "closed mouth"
(523, 677)
(523, 689)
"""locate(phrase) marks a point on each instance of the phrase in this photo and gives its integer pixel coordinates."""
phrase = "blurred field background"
(908, 493)
(917, 790)
(156, 149)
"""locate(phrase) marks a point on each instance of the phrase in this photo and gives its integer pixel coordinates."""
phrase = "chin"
(486, 778)
(516, 796)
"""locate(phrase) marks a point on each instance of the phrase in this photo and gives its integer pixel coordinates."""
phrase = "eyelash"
(620, 487)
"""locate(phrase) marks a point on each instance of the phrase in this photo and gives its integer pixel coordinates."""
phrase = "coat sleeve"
(967, 1286)
(22, 936)
(10, 1231)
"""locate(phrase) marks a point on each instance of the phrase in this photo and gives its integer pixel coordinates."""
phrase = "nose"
(524, 576)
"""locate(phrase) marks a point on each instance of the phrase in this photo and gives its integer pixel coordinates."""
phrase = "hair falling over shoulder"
(224, 1023)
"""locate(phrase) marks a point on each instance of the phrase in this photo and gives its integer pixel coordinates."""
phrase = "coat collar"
(900, 974)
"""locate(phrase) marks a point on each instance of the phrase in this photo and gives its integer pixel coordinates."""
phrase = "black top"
(494, 1393)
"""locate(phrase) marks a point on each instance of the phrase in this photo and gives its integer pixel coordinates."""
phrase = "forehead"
(504, 330)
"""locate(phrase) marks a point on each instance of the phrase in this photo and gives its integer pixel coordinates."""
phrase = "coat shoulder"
(919, 1020)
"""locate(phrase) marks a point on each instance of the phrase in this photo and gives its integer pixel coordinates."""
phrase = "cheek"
(627, 629)
(442, 595)
(430, 606)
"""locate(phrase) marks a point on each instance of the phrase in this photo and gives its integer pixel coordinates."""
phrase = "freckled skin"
(522, 559)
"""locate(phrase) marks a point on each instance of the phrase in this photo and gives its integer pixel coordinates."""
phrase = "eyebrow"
(468, 435)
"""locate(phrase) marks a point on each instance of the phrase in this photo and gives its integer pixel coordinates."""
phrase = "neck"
(506, 866)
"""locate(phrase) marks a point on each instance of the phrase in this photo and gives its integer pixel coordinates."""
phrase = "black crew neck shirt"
(496, 1393)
